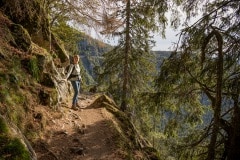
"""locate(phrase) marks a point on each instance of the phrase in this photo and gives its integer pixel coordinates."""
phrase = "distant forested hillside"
(91, 52)
(161, 55)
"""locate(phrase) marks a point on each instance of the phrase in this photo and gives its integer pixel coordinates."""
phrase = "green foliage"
(14, 101)
(3, 127)
(128, 68)
(17, 116)
(14, 111)
(187, 83)
(18, 98)
(12, 97)
(68, 35)
(12, 149)
(4, 91)
(8, 82)
(178, 99)
(34, 67)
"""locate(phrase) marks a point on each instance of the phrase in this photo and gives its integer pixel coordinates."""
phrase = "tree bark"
(126, 59)
(218, 102)
(234, 146)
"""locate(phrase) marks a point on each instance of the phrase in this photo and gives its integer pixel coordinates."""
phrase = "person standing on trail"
(73, 75)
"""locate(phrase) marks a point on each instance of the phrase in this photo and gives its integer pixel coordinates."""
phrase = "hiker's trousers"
(76, 88)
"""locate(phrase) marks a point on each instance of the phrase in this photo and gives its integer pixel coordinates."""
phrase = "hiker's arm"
(69, 71)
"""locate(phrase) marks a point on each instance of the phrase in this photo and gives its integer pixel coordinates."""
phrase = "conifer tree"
(128, 67)
(200, 77)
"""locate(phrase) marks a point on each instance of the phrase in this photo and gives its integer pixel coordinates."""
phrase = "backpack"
(68, 66)
(66, 71)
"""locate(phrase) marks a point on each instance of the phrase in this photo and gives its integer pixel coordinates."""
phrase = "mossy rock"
(36, 65)
(59, 50)
(46, 80)
(30, 14)
(11, 147)
(48, 97)
(22, 39)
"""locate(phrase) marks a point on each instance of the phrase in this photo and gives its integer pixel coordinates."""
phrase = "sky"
(161, 44)
(166, 44)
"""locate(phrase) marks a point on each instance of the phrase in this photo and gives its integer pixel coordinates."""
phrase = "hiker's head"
(75, 59)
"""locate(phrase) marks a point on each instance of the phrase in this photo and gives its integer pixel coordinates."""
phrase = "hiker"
(73, 75)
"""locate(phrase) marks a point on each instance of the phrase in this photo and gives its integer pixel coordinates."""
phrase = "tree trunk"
(234, 146)
(126, 59)
(218, 102)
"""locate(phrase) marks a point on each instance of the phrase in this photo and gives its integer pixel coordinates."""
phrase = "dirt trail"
(85, 134)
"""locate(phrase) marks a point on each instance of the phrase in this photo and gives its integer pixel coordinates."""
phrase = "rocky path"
(85, 134)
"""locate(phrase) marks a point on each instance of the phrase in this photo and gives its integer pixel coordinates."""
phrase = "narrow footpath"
(85, 134)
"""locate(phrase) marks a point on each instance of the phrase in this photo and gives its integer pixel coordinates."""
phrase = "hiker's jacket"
(73, 73)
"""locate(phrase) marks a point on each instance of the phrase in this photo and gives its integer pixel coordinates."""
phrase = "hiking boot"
(74, 107)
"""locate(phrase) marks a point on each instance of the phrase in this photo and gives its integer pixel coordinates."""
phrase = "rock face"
(30, 34)
(31, 65)
(22, 39)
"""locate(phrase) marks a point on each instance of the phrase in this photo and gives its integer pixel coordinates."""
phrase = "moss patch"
(3, 127)
(11, 148)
